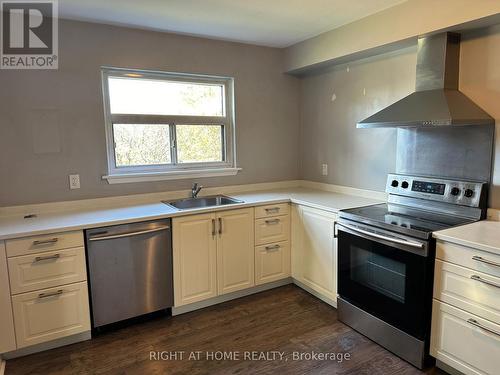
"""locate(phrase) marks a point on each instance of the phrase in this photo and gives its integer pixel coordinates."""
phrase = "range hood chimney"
(436, 100)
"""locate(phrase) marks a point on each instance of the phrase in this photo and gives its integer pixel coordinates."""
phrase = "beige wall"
(480, 81)
(359, 158)
(267, 117)
(392, 26)
(362, 157)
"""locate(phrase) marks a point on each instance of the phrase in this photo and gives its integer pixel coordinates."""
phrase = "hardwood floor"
(285, 319)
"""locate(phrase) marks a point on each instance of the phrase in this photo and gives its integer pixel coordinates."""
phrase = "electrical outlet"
(74, 181)
(324, 169)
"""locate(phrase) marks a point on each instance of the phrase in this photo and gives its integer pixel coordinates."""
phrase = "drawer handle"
(484, 260)
(52, 294)
(274, 221)
(45, 242)
(272, 209)
(50, 257)
(484, 281)
(273, 247)
(474, 322)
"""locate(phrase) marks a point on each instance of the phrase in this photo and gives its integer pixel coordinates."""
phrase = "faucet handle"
(195, 186)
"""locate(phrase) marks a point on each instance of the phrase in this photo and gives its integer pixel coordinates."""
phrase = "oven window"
(382, 274)
(387, 282)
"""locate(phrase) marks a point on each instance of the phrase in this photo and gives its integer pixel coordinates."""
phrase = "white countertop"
(15, 226)
(483, 235)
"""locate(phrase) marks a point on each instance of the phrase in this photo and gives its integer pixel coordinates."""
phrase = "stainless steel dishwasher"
(130, 270)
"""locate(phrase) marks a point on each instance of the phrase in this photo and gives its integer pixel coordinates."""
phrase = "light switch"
(74, 181)
(324, 169)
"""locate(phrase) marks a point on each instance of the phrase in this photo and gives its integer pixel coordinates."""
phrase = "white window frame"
(174, 170)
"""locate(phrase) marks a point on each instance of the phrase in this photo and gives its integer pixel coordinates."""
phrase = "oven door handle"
(379, 236)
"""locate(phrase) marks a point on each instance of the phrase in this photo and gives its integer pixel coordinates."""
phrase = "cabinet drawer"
(272, 262)
(464, 341)
(51, 314)
(478, 260)
(467, 289)
(273, 229)
(45, 270)
(272, 210)
(36, 244)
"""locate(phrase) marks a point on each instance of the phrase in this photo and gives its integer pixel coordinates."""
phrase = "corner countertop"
(15, 226)
(482, 235)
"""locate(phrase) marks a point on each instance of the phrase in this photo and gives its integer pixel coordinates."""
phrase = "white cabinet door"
(50, 314)
(272, 262)
(195, 258)
(7, 336)
(235, 250)
(464, 341)
(314, 253)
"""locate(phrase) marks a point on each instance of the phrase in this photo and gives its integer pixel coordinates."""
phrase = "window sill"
(173, 175)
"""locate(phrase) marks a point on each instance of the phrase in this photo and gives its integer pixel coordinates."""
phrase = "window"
(167, 125)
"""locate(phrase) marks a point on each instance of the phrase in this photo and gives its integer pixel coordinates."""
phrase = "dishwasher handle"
(128, 234)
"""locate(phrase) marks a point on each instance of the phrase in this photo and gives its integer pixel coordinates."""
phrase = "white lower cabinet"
(213, 254)
(465, 341)
(235, 250)
(195, 258)
(7, 335)
(314, 251)
(465, 332)
(50, 314)
(272, 262)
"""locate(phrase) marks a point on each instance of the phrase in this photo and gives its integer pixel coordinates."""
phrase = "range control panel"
(466, 193)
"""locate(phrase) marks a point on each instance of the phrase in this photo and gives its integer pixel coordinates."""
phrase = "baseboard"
(447, 368)
(315, 293)
(493, 214)
(84, 336)
(228, 297)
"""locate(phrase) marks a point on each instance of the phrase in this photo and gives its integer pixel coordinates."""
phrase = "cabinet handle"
(50, 257)
(52, 294)
(45, 242)
(272, 209)
(274, 221)
(484, 281)
(213, 227)
(273, 247)
(220, 225)
(484, 260)
(474, 322)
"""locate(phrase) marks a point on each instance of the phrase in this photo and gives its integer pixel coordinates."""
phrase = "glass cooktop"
(403, 219)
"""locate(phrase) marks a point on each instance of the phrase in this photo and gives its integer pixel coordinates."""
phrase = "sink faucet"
(195, 189)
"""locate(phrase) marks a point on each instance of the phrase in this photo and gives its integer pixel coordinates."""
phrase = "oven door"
(386, 275)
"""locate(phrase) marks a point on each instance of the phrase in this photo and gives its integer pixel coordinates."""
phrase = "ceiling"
(274, 23)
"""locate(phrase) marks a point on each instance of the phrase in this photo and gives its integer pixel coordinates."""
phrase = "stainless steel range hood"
(436, 100)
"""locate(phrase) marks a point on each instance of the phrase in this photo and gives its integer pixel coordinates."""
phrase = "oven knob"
(404, 185)
(455, 191)
(394, 183)
(468, 193)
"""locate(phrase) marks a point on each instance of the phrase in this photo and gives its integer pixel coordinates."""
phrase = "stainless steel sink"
(212, 201)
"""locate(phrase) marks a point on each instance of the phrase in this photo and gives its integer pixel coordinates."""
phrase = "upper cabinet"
(314, 251)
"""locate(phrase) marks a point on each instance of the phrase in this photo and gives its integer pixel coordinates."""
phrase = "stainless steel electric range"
(386, 259)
